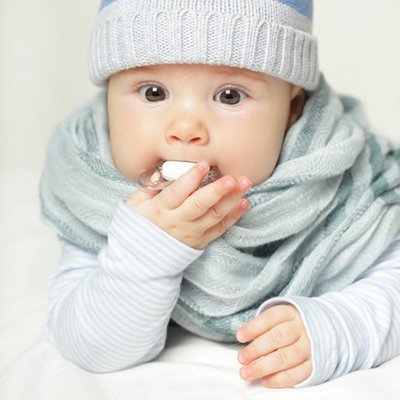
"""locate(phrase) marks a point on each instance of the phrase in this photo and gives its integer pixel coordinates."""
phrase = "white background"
(43, 76)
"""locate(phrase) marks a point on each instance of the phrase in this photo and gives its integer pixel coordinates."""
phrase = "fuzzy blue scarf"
(329, 210)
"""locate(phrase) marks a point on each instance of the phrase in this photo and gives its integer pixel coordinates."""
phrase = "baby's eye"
(153, 93)
(230, 96)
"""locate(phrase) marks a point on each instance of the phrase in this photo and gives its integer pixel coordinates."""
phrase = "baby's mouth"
(166, 172)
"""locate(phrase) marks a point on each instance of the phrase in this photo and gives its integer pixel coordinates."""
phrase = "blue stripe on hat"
(304, 7)
(105, 3)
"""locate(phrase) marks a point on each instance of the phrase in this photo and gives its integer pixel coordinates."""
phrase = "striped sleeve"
(111, 311)
(356, 328)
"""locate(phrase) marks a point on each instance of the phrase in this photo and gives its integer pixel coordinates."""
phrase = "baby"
(218, 182)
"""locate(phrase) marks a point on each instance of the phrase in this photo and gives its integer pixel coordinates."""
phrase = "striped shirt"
(111, 311)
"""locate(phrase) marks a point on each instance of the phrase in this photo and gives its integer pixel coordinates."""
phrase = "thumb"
(141, 195)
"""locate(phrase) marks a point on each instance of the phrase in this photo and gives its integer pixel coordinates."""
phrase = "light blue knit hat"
(269, 36)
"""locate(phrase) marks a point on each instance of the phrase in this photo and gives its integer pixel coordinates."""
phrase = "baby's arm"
(111, 311)
(357, 328)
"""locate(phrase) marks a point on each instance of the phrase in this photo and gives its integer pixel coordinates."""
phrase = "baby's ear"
(296, 105)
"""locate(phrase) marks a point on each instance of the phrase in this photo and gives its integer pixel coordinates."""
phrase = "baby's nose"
(188, 131)
(187, 138)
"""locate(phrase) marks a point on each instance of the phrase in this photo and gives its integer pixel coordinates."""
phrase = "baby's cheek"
(263, 172)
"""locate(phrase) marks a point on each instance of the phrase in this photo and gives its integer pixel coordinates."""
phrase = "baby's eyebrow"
(145, 68)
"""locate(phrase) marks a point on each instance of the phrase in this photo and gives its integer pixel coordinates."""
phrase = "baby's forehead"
(218, 70)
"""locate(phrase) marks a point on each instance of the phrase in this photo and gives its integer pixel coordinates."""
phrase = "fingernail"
(245, 184)
(245, 373)
(229, 184)
(244, 204)
(203, 166)
(241, 336)
(243, 359)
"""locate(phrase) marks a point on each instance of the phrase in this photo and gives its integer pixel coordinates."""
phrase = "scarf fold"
(331, 207)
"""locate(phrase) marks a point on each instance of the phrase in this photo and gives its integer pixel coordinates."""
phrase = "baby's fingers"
(289, 377)
(225, 223)
(265, 321)
(139, 196)
(212, 203)
(278, 337)
(284, 359)
(178, 191)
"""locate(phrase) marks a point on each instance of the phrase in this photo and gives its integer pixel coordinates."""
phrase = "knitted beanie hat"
(269, 36)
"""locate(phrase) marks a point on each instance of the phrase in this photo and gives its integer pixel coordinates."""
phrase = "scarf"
(328, 211)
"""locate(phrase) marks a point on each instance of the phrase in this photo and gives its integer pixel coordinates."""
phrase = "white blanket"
(190, 367)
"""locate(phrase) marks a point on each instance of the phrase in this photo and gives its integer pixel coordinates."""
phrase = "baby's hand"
(280, 351)
(194, 217)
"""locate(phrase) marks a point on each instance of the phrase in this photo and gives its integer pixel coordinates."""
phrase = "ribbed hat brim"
(125, 40)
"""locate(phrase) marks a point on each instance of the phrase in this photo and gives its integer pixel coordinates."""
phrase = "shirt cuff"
(321, 333)
(141, 238)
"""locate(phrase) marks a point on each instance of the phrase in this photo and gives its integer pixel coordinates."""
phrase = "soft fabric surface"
(330, 208)
(190, 368)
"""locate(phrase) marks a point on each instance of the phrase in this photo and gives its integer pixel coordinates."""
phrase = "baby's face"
(233, 118)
